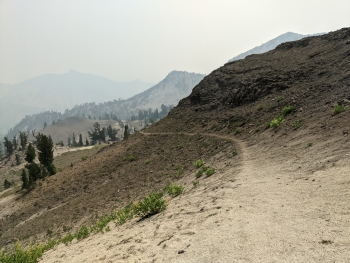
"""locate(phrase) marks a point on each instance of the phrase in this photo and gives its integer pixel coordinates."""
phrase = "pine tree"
(126, 132)
(14, 143)
(30, 154)
(81, 140)
(45, 124)
(7, 184)
(24, 179)
(45, 148)
(74, 141)
(94, 134)
(9, 146)
(69, 141)
(23, 140)
(87, 142)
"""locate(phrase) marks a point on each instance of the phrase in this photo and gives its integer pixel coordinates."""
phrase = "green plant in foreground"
(150, 205)
(234, 153)
(210, 171)
(174, 189)
(338, 109)
(309, 144)
(195, 183)
(199, 163)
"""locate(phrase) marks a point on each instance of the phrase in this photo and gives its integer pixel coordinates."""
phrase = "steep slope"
(279, 194)
(175, 86)
(272, 44)
(59, 92)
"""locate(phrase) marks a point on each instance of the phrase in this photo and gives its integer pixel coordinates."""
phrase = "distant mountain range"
(272, 44)
(176, 86)
(59, 92)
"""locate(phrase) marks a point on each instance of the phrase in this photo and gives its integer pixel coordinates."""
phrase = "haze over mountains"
(65, 91)
(272, 44)
(175, 86)
(59, 92)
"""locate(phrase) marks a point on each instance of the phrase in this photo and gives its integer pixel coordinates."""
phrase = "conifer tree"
(87, 142)
(9, 146)
(126, 132)
(30, 154)
(45, 148)
(80, 140)
(24, 179)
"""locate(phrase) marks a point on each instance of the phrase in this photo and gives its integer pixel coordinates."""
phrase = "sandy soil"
(263, 211)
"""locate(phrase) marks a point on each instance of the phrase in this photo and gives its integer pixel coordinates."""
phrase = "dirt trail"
(258, 213)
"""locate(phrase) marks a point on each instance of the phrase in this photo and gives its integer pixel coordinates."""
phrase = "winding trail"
(254, 212)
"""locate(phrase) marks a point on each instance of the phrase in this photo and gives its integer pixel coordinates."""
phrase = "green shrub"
(234, 153)
(130, 158)
(338, 109)
(67, 239)
(124, 214)
(297, 124)
(309, 144)
(259, 107)
(30, 255)
(286, 110)
(150, 205)
(199, 163)
(174, 189)
(84, 158)
(83, 232)
(277, 121)
(180, 146)
(195, 183)
(210, 172)
(201, 171)
(147, 162)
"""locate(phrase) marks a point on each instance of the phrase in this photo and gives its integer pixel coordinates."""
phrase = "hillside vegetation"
(261, 147)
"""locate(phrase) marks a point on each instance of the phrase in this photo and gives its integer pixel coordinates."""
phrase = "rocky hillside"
(57, 92)
(274, 127)
(272, 44)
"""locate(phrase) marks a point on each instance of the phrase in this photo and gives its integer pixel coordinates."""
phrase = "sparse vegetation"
(279, 119)
(297, 124)
(174, 189)
(150, 205)
(338, 109)
(234, 153)
(309, 144)
(259, 107)
(199, 163)
(201, 171)
(210, 172)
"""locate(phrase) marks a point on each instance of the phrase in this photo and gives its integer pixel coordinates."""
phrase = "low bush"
(338, 109)
(150, 205)
(210, 172)
(286, 110)
(297, 124)
(174, 189)
(199, 163)
(201, 171)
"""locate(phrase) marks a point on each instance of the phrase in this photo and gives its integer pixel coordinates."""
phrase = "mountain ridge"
(273, 43)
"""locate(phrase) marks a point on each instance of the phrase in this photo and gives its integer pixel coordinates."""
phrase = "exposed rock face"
(272, 44)
(319, 63)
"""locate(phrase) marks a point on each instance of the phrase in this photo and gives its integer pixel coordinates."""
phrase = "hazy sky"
(127, 40)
